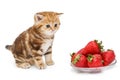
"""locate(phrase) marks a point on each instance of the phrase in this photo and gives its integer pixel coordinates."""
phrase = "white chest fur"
(46, 45)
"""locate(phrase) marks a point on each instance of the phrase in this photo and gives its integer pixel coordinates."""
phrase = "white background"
(82, 21)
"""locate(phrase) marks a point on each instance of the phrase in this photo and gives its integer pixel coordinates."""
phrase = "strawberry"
(93, 47)
(95, 60)
(74, 54)
(79, 60)
(108, 57)
(81, 51)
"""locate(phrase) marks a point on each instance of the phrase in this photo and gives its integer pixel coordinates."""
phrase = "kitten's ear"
(38, 17)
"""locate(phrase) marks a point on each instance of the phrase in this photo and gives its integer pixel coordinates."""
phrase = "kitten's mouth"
(50, 33)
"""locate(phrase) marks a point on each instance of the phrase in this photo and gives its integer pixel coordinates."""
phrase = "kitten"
(32, 44)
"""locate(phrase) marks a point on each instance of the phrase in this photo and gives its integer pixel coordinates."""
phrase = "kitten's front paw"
(50, 63)
(42, 66)
(23, 65)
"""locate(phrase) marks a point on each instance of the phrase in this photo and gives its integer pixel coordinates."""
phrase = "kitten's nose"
(52, 28)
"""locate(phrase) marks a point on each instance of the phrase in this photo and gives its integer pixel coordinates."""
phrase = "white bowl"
(94, 70)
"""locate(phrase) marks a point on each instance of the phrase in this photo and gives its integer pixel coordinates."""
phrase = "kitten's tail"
(9, 47)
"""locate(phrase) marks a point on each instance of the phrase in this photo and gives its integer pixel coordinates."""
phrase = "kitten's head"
(47, 22)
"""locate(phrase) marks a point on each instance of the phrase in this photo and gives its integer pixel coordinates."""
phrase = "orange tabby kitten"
(32, 44)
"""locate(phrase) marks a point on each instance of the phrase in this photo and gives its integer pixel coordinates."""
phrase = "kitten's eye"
(55, 25)
(48, 26)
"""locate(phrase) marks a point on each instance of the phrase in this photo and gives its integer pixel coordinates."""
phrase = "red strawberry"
(80, 51)
(95, 60)
(79, 60)
(73, 55)
(108, 57)
(93, 47)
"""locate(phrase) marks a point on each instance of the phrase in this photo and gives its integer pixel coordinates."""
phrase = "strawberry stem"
(72, 54)
(109, 49)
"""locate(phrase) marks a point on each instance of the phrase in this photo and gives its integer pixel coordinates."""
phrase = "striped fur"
(32, 44)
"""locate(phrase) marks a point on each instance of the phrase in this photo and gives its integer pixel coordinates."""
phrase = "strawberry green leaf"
(76, 59)
(100, 45)
(89, 58)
